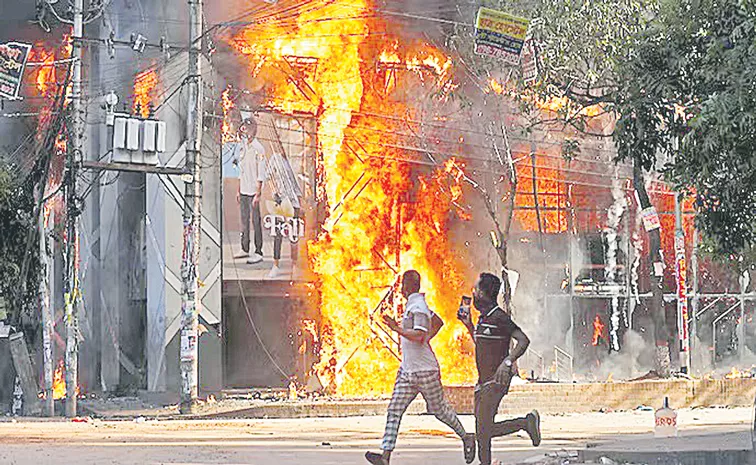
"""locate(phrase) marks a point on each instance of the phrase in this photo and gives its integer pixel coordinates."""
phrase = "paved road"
(313, 441)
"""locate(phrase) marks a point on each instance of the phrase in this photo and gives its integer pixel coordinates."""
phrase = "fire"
(373, 232)
(145, 85)
(390, 56)
(552, 196)
(46, 73)
(311, 327)
(227, 128)
(59, 382)
(551, 104)
(46, 77)
(738, 374)
(495, 86)
(599, 330)
(430, 59)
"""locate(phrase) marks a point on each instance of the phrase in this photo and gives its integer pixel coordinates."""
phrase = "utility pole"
(192, 215)
(656, 262)
(48, 319)
(74, 158)
(681, 269)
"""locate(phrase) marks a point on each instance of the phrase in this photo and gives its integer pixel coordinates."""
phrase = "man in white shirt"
(252, 174)
(419, 373)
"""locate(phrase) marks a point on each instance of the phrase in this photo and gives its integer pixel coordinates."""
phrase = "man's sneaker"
(468, 442)
(533, 427)
(241, 255)
(255, 258)
(274, 272)
(375, 459)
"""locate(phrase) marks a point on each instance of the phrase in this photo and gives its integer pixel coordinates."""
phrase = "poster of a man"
(250, 160)
(265, 171)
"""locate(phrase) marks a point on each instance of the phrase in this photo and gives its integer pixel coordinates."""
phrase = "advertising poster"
(13, 57)
(267, 198)
(500, 35)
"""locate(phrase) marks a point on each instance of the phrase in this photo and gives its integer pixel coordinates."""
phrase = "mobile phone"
(464, 307)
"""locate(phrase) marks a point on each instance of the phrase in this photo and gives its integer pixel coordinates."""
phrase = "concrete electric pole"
(75, 156)
(192, 214)
(681, 272)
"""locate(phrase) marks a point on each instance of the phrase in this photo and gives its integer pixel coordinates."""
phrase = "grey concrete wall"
(165, 243)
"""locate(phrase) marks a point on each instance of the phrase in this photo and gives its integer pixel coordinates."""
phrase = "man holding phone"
(493, 335)
(419, 372)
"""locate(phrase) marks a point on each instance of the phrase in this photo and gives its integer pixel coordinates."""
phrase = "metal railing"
(714, 331)
(563, 364)
(533, 363)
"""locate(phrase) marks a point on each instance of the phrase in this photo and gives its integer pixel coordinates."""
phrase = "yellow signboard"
(500, 35)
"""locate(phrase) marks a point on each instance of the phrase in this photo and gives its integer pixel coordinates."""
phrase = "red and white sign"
(681, 272)
(650, 219)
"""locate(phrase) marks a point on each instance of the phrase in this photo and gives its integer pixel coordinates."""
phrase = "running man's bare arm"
(416, 335)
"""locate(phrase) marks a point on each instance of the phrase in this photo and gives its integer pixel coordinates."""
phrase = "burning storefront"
(388, 188)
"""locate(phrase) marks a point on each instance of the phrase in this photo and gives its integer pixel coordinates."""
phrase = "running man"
(419, 372)
(493, 335)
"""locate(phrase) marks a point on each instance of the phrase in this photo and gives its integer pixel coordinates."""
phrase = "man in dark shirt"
(493, 335)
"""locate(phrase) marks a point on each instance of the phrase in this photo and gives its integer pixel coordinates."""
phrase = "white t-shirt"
(251, 166)
(417, 356)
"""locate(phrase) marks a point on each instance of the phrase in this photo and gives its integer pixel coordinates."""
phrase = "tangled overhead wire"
(46, 9)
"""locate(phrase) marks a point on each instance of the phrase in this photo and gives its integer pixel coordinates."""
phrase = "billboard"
(268, 198)
(13, 57)
(500, 35)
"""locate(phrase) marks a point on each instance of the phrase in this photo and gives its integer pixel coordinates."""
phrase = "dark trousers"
(487, 399)
(248, 208)
(278, 240)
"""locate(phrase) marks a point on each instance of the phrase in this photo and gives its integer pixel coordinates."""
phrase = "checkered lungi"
(406, 388)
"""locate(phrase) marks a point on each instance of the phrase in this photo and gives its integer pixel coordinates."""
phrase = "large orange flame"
(46, 72)
(384, 216)
(145, 85)
(59, 382)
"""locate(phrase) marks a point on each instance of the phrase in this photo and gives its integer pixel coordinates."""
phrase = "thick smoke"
(614, 216)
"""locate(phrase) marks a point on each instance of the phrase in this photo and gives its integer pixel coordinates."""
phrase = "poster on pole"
(681, 268)
(13, 58)
(650, 219)
(529, 62)
(500, 35)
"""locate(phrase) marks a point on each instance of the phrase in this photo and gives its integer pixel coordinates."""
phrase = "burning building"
(394, 154)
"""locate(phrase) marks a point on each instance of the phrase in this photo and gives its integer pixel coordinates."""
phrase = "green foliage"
(689, 96)
(5, 187)
(580, 44)
(680, 75)
(16, 211)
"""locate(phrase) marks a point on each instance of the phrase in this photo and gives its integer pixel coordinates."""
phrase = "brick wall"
(566, 398)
